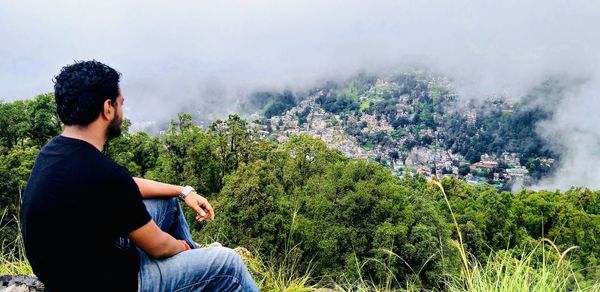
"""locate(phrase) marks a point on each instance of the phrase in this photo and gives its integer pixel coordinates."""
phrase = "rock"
(14, 288)
(215, 244)
(20, 283)
(244, 253)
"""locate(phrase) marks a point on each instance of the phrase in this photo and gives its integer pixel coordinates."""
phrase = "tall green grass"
(12, 253)
(364, 283)
(284, 273)
(504, 270)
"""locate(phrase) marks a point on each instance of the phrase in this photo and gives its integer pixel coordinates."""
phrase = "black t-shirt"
(78, 208)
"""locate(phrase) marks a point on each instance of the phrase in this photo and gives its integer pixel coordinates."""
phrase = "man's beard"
(114, 128)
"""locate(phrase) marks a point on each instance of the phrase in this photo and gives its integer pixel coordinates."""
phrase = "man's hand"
(202, 207)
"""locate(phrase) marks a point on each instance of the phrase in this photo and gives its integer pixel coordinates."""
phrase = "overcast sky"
(201, 55)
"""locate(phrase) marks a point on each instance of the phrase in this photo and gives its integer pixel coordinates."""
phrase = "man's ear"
(108, 110)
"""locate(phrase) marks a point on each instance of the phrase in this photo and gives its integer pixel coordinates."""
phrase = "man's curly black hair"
(80, 90)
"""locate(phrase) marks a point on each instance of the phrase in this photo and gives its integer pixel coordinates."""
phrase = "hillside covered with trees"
(338, 217)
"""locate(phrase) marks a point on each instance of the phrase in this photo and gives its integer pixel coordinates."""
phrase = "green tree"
(15, 168)
(14, 123)
(234, 142)
(44, 121)
(138, 152)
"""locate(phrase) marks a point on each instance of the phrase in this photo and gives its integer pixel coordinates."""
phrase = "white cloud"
(181, 54)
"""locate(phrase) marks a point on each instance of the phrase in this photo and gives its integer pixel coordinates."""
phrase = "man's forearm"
(170, 247)
(155, 242)
(154, 189)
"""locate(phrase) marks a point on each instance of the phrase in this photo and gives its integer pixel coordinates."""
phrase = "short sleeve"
(128, 211)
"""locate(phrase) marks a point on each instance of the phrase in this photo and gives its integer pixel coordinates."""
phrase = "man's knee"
(227, 264)
(229, 254)
(230, 259)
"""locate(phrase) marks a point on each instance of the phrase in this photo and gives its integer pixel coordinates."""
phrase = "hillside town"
(432, 160)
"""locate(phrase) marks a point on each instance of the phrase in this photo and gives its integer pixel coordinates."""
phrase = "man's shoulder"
(77, 155)
(61, 146)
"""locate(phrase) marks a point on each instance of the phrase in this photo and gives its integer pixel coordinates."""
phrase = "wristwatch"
(186, 191)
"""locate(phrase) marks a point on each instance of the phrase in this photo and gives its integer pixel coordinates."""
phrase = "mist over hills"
(202, 57)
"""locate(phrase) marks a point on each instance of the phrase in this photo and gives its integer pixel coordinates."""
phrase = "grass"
(362, 283)
(507, 272)
(503, 270)
(12, 253)
(14, 266)
(279, 275)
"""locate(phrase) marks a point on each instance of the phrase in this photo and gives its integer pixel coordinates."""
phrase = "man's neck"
(96, 137)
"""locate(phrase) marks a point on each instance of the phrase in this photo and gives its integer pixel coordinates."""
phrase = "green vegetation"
(437, 91)
(350, 92)
(345, 97)
(25, 126)
(314, 218)
(271, 103)
(368, 146)
(365, 105)
(498, 131)
(505, 271)
(12, 252)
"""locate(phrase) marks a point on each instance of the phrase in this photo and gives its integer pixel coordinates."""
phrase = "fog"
(202, 56)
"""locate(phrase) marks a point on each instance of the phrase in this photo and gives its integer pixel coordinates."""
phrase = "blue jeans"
(198, 269)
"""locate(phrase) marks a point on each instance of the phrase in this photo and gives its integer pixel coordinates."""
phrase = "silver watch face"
(186, 191)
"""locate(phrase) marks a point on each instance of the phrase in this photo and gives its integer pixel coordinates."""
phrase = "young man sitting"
(88, 225)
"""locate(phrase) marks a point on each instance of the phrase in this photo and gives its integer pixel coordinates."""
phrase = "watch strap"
(185, 192)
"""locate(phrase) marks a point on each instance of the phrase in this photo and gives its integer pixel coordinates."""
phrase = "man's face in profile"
(114, 128)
